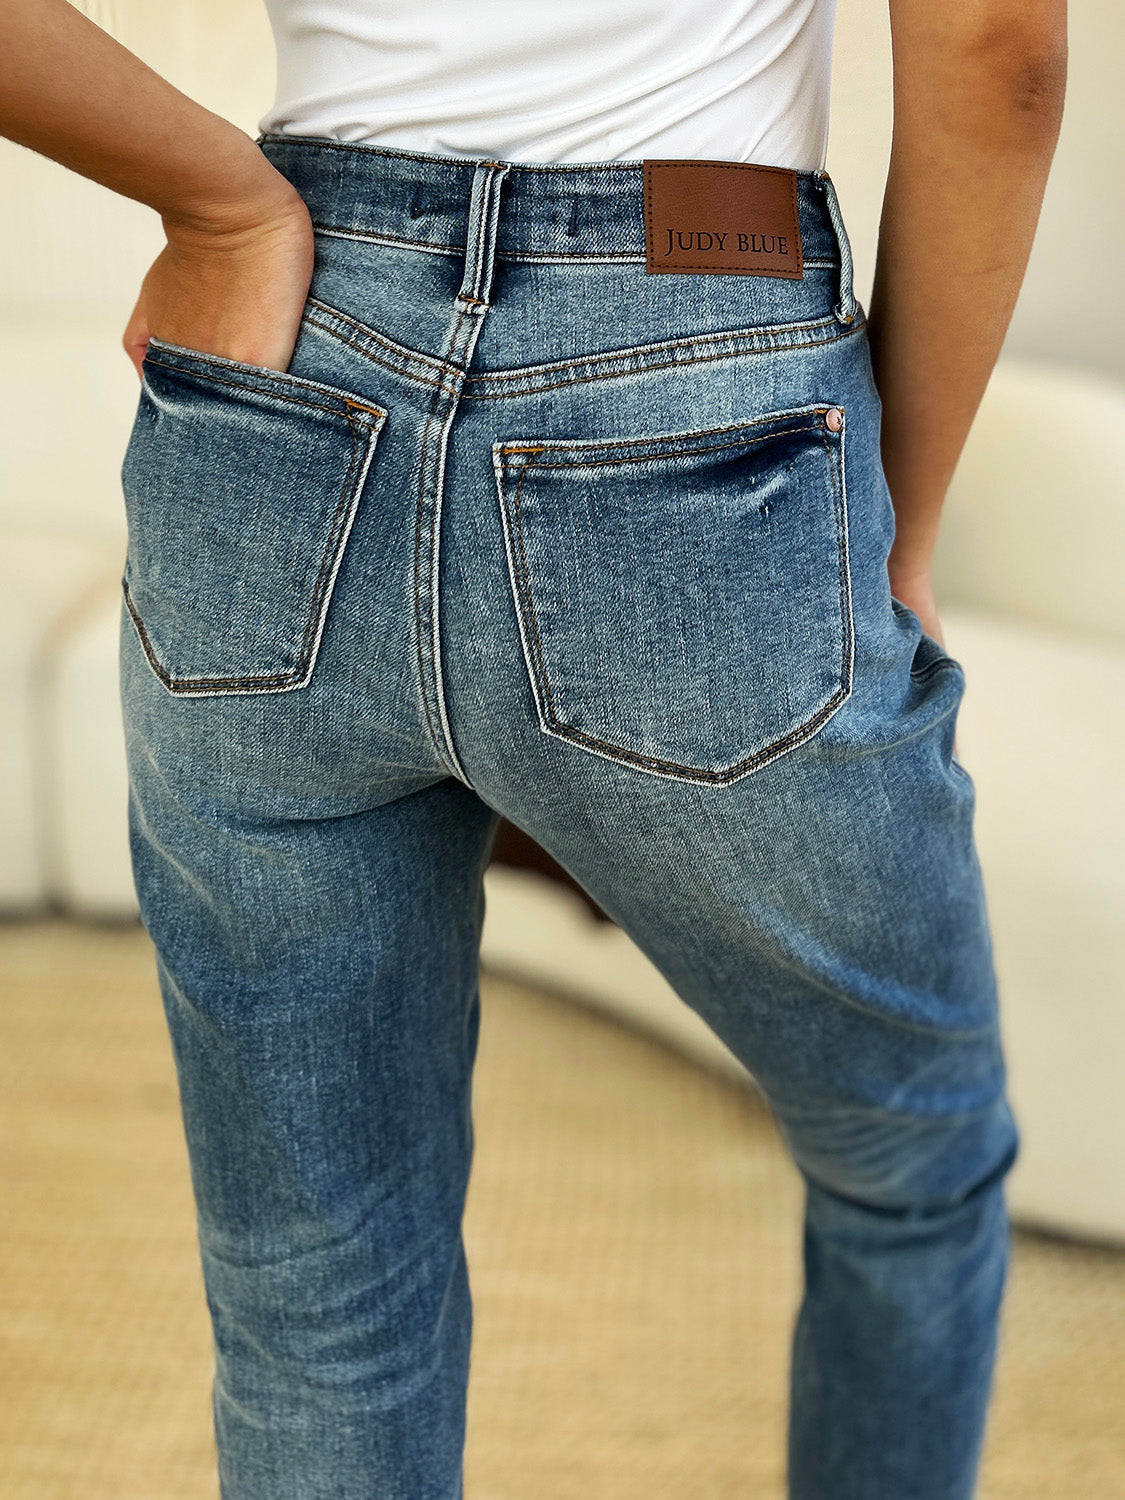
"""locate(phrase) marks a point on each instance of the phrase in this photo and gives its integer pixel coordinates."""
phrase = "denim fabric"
(524, 530)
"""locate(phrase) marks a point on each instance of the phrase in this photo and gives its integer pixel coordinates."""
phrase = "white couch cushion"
(90, 871)
(1040, 732)
(45, 574)
(1034, 523)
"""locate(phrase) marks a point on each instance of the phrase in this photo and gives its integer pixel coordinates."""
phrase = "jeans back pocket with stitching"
(684, 599)
(240, 484)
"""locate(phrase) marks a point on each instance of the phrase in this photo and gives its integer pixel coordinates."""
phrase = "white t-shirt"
(560, 80)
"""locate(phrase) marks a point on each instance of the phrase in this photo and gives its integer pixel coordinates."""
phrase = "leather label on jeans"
(722, 216)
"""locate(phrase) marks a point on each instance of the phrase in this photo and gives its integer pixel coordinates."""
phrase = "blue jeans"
(527, 531)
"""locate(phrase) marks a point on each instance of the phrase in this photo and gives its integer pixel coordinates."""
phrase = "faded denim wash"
(524, 530)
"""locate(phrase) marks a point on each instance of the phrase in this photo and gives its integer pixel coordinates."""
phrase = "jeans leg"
(879, 1053)
(318, 968)
(826, 918)
(895, 1340)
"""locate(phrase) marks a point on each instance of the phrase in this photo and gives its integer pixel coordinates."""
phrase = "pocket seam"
(685, 438)
(686, 452)
(350, 402)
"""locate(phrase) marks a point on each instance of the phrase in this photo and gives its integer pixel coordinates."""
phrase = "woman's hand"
(235, 285)
(915, 589)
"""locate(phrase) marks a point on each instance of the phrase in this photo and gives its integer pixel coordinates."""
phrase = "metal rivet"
(834, 418)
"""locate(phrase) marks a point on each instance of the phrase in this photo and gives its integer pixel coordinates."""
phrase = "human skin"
(978, 99)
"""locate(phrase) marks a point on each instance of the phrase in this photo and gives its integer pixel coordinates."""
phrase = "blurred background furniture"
(1029, 560)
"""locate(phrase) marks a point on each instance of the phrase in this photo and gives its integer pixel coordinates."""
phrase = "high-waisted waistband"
(546, 211)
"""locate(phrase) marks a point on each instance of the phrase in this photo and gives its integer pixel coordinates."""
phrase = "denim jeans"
(527, 531)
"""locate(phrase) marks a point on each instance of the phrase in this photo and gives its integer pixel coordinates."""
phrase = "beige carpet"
(633, 1233)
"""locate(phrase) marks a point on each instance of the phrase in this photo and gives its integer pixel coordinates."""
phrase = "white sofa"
(1030, 563)
(1029, 576)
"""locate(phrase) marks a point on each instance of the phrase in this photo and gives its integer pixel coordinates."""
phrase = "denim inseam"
(524, 530)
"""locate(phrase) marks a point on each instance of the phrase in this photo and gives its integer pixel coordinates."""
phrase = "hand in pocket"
(232, 287)
(916, 591)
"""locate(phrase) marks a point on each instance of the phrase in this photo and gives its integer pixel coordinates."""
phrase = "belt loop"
(846, 306)
(480, 247)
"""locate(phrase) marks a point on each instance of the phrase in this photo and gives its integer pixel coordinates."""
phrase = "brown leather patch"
(722, 216)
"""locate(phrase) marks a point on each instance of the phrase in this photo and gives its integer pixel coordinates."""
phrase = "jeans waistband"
(581, 211)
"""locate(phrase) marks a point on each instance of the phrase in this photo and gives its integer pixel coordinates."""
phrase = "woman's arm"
(234, 275)
(978, 99)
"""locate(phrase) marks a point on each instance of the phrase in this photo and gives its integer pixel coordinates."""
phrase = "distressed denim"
(527, 531)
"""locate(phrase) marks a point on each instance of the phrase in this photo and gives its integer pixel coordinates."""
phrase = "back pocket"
(241, 485)
(684, 599)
